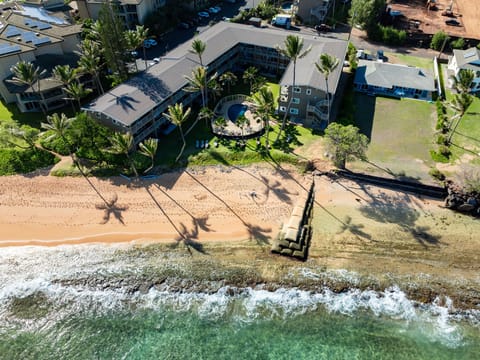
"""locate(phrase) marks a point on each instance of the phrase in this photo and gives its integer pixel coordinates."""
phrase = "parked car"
(452, 22)
(203, 14)
(156, 60)
(323, 28)
(149, 43)
(380, 55)
(183, 25)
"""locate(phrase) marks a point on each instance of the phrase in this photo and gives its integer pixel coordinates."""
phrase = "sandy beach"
(202, 204)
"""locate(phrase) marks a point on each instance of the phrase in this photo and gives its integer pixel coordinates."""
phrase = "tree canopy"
(345, 143)
(365, 12)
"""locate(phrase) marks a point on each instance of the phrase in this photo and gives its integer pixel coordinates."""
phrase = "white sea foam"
(33, 270)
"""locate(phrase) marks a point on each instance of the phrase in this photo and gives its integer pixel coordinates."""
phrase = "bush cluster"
(437, 174)
(13, 161)
(387, 34)
(438, 40)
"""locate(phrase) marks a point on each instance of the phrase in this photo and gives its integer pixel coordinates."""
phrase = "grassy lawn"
(401, 133)
(466, 139)
(410, 60)
(227, 153)
(10, 112)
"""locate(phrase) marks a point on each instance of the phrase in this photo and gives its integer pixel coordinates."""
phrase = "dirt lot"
(466, 12)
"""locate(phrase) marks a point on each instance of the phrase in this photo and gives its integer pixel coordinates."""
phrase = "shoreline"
(209, 215)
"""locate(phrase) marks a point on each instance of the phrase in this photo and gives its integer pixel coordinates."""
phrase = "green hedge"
(387, 34)
(15, 161)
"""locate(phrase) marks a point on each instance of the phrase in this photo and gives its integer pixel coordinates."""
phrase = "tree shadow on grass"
(110, 207)
(355, 229)
(399, 175)
(397, 210)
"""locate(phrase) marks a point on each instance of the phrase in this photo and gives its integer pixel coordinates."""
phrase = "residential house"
(468, 60)
(313, 11)
(401, 81)
(137, 106)
(132, 12)
(43, 40)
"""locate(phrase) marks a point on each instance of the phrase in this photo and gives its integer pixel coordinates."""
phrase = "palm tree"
(122, 143)
(90, 61)
(463, 81)
(178, 116)
(25, 73)
(142, 35)
(206, 114)
(149, 149)
(459, 104)
(221, 122)
(249, 76)
(265, 105)
(76, 91)
(293, 50)
(198, 48)
(66, 75)
(228, 79)
(59, 126)
(133, 41)
(198, 83)
(326, 66)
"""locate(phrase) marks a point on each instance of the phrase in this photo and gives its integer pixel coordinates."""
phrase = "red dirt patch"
(466, 12)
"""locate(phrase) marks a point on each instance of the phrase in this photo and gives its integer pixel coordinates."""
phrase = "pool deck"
(233, 130)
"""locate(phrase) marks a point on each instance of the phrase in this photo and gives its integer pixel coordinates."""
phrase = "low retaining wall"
(416, 188)
(294, 238)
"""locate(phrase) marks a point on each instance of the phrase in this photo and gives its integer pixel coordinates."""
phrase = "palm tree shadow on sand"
(255, 232)
(110, 207)
(390, 209)
(187, 237)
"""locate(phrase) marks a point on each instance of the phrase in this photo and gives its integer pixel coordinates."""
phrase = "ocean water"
(42, 317)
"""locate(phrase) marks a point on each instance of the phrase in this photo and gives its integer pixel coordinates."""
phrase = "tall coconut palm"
(463, 81)
(122, 143)
(132, 41)
(198, 82)
(66, 75)
(59, 126)
(198, 48)
(148, 148)
(142, 35)
(228, 79)
(76, 91)
(249, 76)
(206, 114)
(90, 61)
(293, 49)
(265, 105)
(460, 103)
(25, 73)
(326, 66)
(178, 116)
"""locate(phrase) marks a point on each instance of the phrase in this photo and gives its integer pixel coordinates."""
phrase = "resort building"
(32, 35)
(132, 12)
(468, 60)
(401, 81)
(137, 106)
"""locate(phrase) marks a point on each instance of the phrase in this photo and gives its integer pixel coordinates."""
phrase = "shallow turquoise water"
(75, 322)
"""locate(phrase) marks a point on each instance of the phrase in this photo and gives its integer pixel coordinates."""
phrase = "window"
(297, 89)
(283, 108)
(309, 91)
(295, 100)
(283, 98)
(284, 90)
(294, 111)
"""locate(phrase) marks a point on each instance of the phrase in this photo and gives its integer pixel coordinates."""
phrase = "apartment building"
(132, 12)
(41, 38)
(137, 106)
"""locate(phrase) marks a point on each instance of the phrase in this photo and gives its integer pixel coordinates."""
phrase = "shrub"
(437, 157)
(442, 140)
(438, 40)
(387, 34)
(14, 161)
(436, 174)
(458, 44)
(444, 150)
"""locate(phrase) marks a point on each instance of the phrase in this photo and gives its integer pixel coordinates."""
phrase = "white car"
(203, 14)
